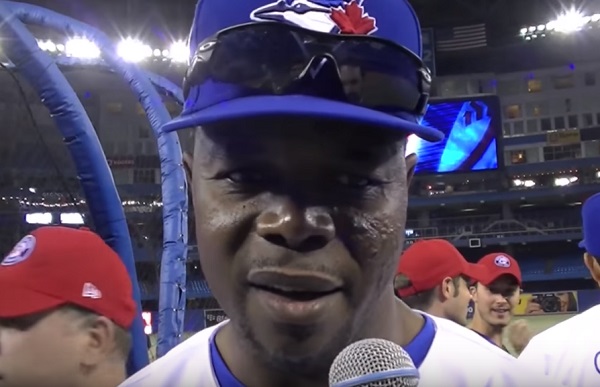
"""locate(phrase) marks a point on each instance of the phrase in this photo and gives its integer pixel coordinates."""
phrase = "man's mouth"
(293, 294)
(295, 284)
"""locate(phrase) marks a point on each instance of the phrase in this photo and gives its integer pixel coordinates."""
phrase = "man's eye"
(246, 177)
(354, 181)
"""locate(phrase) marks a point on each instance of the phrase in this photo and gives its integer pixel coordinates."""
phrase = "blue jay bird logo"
(329, 16)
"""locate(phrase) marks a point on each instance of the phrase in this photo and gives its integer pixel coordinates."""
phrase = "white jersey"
(457, 357)
(569, 352)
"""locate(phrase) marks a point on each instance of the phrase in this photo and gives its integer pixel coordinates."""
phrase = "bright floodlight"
(132, 50)
(569, 22)
(47, 45)
(82, 48)
(179, 52)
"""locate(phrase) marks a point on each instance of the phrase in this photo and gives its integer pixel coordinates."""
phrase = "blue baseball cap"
(590, 215)
(394, 20)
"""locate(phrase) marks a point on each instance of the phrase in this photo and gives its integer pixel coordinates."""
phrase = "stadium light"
(73, 218)
(566, 23)
(179, 52)
(565, 181)
(82, 48)
(132, 50)
(47, 45)
(569, 22)
(43, 218)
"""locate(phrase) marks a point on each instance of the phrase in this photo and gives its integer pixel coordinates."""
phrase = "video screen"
(472, 127)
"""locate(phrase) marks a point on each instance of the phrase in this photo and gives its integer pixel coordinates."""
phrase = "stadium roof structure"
(159, 19)
(154, 31)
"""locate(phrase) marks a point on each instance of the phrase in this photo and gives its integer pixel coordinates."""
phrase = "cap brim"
(299, 105)
(487, 281)
(477, 273)
(17, 301)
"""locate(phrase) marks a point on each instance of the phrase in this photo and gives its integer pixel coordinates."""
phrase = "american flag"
(461, 38)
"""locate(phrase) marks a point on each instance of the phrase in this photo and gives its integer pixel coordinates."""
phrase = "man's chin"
(301, 347)
(310, 358)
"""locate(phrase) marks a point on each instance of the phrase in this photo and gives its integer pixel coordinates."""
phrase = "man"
(65, 306)
(433, 276)
(299, 184)
(567, 304)
(495, 297)
(569, 352)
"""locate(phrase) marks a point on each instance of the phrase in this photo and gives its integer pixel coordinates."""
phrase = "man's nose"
(296, 227)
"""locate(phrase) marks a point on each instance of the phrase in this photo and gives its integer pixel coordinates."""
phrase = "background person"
(433, 276)
(495, 297)
(569, 352)
(65, 308)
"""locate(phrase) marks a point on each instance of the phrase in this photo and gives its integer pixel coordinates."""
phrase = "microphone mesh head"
(372, 356)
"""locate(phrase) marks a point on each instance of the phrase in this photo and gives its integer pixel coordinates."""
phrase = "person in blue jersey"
(569, 352)
(301, 111)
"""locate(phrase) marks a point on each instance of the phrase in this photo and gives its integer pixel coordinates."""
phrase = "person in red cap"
(65, 308)
(495, 297)
(433, 276)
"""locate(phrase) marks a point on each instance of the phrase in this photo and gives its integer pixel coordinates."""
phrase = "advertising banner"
(213, 317)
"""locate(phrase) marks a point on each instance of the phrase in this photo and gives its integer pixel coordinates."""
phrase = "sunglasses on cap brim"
(278, 59)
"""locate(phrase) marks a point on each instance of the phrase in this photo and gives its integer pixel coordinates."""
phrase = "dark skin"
(326, 198)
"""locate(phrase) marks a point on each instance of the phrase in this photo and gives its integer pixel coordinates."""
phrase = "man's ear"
(411, 164)
(188, 161)
(100, 341)
(592, 264)
(473, 291)
(447, 288)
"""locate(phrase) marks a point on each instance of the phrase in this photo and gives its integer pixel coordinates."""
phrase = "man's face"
(564, 301)
(495, 302)
(299, 225)
(39, 350)
(456, 307)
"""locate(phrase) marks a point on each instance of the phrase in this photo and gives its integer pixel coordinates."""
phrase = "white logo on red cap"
(20, 252)
(502, 261)
(91, 291)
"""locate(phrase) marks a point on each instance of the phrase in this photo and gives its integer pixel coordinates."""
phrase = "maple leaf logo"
(351, 19)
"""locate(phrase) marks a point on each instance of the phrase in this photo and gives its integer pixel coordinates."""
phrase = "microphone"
(373, 363)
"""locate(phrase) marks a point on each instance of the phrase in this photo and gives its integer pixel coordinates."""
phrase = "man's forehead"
(503, 282)
(261, 136)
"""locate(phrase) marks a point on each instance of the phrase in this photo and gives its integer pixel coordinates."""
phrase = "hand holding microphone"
(373, 363)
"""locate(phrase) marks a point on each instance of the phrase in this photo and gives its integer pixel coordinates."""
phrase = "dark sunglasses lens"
(254, 54)
(270, 57)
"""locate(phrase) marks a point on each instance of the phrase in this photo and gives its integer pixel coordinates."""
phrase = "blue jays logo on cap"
(20, 252)
(329, 16)
(502, 261)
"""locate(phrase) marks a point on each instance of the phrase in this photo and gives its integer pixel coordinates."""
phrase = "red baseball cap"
(427, 262)
(498, 264)
(56, 266)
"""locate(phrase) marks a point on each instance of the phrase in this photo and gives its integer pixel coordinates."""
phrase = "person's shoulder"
(567, 350)
(189, 362)
(580, 323)
(460, 357)
(469, 343)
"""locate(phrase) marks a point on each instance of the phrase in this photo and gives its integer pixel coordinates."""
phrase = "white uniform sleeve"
(535, 357)
(519, 374)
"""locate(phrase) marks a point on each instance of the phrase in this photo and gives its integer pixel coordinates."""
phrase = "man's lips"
(294, 284)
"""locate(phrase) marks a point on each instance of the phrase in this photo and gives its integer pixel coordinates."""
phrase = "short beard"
(314, 366)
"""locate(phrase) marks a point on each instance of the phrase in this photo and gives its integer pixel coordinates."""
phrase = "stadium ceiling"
(152, 18)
